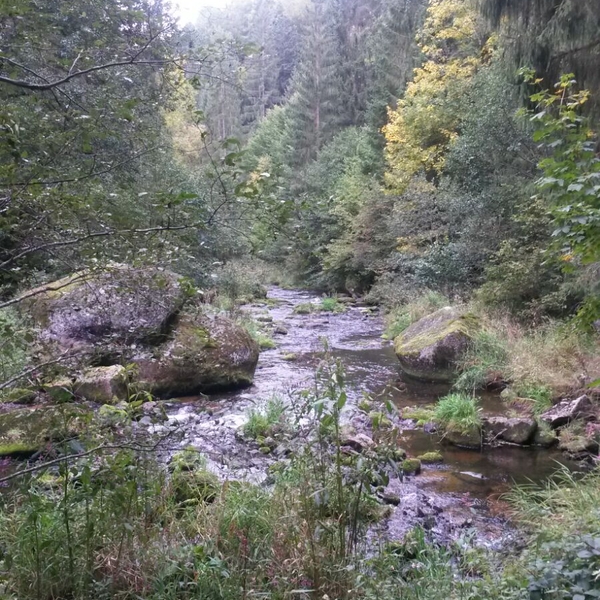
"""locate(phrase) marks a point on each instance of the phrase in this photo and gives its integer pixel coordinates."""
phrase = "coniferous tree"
(315, 88)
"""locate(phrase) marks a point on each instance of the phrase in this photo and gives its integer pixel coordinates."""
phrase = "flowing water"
(460, 493)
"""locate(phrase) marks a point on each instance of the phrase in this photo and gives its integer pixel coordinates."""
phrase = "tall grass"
(458, 412)
(401, 317)
(486, 360)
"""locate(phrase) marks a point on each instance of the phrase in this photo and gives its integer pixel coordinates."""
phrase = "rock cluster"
(131, 330)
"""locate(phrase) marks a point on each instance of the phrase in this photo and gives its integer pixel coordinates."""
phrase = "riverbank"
(332, 461)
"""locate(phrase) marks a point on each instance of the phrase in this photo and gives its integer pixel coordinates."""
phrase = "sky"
(187, 10)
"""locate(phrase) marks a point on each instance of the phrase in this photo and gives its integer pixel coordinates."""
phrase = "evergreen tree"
(315, 91)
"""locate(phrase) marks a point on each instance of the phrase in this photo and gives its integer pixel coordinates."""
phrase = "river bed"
(462, 494)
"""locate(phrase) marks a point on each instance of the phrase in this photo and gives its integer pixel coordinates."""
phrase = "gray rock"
(104, 385)
(517, 430)
(464, 439)
(204, 354)
(111, 309)
(567, 410)
(430, 348)
(357, 441)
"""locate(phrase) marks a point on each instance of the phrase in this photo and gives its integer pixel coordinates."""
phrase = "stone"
(390, 498)
(430, 348)
(104, 312)
(104, 385)
(516, 430)
(411, 466)
(567, 410)
(25, 431)
(18, 396)
(431, 457)
(60, 390)
(205, 354)
(357, 441)
(465, 439)
(280, 330)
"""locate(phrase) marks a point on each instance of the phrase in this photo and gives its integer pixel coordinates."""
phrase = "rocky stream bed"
(460, 496)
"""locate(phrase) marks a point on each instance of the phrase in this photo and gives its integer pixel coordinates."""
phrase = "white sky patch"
(187, 10)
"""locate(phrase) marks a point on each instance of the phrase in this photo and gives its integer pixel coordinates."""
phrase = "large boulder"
(429, 349)
(205, 354)
(106, 311)
(567, 410)
(516, 430)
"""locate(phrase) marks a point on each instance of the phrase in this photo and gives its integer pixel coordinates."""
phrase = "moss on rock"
(429, 349)
(26, 431)
(431, 457)
(204, 354)
(411, 466)
(470, 438)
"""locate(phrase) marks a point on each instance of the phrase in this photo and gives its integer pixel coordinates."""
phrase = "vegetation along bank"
(300, 299)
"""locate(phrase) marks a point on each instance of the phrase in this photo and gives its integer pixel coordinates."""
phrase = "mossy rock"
(431, 457)
(411, 466)
(205, 354)
(470, 439)
(430, 348)
(25, 431)
(105, 385)
(305, 308)
(18, 396)
(60, 390)
(516, 430)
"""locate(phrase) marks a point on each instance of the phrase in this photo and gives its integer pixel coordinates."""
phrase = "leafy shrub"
(244, 279)
(305, 308)
(15, 338)
(458, 412)
(540, 394)
(331, 305)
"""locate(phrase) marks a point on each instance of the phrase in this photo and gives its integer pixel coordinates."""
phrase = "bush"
(15, 338)
(458, 412)
(331, 305)
(244, 279)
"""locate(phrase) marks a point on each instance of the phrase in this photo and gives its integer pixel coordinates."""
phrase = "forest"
(300, 300)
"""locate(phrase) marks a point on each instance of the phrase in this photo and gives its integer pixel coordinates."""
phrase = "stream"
(461, 496)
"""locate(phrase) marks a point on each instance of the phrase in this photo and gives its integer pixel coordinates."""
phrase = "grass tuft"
(266, 421)
(458, 412)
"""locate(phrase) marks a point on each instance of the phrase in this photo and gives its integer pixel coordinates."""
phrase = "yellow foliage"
(424, 124)
(185, 132)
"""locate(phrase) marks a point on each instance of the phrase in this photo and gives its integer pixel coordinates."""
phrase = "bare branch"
(40, 87)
